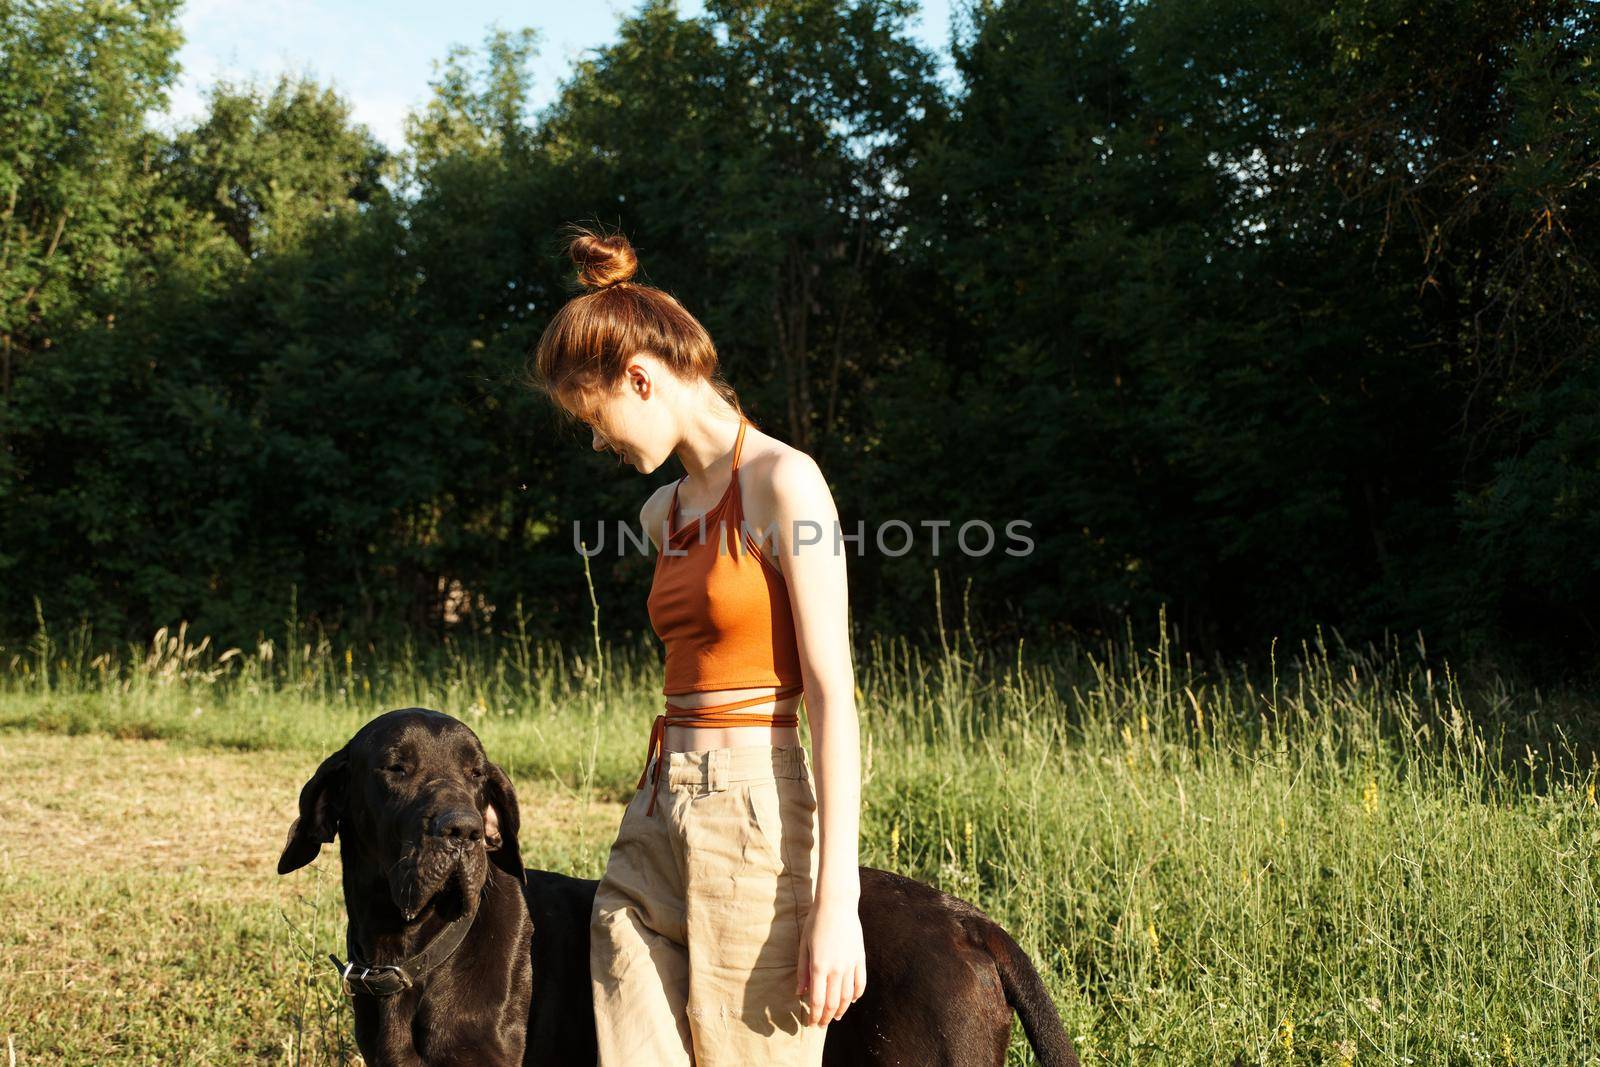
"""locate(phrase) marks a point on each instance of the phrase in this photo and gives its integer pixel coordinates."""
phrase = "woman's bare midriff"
(693, 738)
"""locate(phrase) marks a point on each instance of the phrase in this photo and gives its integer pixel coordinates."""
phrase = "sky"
(378, 55)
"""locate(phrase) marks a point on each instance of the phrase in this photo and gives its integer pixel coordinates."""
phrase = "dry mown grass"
(145, 922)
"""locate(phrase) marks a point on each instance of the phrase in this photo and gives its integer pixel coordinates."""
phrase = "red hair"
(587, 344)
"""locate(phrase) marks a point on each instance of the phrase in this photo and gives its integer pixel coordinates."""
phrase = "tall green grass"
(1351, 857)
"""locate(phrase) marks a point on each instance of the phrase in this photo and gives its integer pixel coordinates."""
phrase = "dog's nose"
(458, 826)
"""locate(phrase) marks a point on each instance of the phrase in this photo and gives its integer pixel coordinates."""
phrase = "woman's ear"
(321, 801)
(501, 822)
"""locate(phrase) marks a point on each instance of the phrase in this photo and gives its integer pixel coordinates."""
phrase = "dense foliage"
(1277, 316)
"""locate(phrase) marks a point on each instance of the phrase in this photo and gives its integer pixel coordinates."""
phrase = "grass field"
(1351, 859)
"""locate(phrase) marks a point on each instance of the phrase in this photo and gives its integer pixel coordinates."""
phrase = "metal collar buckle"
(349, 973)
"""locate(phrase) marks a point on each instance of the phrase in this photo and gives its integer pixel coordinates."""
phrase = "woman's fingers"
(816, 994)
(829, 993)
(836, 1002)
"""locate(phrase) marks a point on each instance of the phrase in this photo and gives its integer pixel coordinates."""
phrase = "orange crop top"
(722, 610)
(719, 605)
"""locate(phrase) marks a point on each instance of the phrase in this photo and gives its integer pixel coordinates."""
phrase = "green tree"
(74, 86)
(1255, 300)
(757, 153)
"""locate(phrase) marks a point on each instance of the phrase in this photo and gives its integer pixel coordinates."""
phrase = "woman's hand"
(832, 973)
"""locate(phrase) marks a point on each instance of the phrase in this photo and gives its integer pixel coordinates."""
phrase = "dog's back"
(942, 981)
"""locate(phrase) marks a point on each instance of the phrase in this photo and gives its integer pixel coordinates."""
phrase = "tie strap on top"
(713, 715)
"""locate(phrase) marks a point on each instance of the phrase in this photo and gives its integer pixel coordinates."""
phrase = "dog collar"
(387, 979)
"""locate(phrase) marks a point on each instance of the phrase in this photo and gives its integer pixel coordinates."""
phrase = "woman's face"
(627, 422)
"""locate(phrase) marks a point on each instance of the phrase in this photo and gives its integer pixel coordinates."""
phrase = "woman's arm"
(833, 970)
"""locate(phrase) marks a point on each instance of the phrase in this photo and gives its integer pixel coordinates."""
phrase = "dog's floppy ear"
(504, 851)
(321, 800)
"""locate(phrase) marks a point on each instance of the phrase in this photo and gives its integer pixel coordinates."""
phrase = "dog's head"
(414, 799)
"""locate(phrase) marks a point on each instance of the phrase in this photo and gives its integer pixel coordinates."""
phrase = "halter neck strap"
(730, 493)
(738, 442)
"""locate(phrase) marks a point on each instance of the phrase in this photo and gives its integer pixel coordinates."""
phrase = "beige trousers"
(695, 932)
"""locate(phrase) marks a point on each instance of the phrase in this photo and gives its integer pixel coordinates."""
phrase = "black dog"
(460, 956)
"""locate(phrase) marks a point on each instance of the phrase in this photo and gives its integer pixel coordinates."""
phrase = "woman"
(725, 930)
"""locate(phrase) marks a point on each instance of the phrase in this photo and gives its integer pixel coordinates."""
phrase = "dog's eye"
(475, 772)
(396, 768)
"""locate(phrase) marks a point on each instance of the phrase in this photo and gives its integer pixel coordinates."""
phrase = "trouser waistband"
(717, 768)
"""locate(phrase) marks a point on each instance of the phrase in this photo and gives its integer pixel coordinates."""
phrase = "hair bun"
(602, 260)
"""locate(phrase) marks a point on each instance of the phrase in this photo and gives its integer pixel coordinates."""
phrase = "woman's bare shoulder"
(655, 511)
(785, 481)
